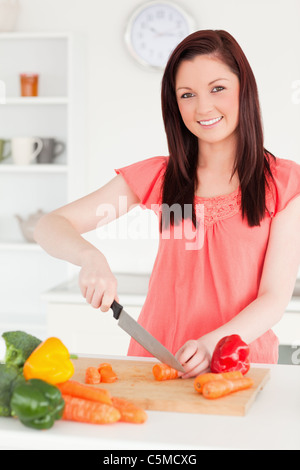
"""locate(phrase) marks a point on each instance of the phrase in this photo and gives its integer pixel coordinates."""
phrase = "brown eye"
(217, 88)
(187, 95)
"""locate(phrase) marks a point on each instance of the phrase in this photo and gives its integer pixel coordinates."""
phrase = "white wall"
(123, 100)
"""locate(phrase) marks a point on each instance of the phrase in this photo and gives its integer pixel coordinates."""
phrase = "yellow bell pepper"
(50, 362)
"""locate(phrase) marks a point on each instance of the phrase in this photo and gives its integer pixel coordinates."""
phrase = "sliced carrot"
(88, 411)
(164, 372)
(202, 379)
(79, 390)
(108, 375)
(92, 375)
(104, 364)
(220, 388)
(130, 413)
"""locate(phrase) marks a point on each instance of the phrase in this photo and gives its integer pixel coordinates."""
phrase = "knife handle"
(117, 309)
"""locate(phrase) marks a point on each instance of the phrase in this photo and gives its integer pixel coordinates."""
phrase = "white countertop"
(132, 290)
(272, 422)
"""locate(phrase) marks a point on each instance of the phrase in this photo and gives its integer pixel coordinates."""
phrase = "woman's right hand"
(97, 283)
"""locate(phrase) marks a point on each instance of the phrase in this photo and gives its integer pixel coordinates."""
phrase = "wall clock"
(154, 30)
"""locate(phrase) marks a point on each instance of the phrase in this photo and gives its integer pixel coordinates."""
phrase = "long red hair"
(251, 160)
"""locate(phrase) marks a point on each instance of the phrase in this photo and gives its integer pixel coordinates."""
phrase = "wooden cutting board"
(137, 384)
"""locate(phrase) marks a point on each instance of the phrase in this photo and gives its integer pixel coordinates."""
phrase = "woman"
(228, 212)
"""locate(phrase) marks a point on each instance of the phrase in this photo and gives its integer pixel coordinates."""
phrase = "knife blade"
(143, 337)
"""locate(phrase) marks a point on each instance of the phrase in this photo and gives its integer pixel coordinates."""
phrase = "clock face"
(154, 31)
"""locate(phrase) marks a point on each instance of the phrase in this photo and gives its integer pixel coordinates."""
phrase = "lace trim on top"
(218, 207)
(222, 207)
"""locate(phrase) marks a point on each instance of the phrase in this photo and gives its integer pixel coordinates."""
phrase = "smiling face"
(207, 93)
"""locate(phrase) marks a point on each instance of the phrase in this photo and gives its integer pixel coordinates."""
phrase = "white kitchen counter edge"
(127, 299)
(129, 293)
(67, 297)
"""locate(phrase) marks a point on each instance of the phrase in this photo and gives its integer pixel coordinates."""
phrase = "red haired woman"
(228, 211)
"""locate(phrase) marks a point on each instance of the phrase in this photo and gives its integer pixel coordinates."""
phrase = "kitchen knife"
(136, 331)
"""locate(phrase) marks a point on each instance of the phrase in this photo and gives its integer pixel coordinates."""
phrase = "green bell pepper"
(37, 404)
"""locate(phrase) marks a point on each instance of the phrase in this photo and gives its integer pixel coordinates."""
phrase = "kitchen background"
(104, 107)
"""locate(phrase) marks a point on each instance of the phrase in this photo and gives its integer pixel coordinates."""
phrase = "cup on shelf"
(52, 148)
(5, 151)
(27, 224)
(29, 84)
(9, 11)
(24, 150)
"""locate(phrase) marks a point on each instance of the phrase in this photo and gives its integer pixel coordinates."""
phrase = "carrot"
(79, 390)
(92, 375)
(88, 411)
(130, 413)
(104, 364)
(107, 373)
(164, 372)
(202, 379)
(220, 388)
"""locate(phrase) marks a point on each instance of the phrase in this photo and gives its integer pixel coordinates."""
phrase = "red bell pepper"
(231, 353)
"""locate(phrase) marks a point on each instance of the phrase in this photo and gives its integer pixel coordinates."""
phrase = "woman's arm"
(276, 287)
(59, 233)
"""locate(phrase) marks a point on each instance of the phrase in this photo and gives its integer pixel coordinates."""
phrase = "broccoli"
(19, 346)
(10, 376)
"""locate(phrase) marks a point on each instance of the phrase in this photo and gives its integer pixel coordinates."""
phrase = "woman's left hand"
(195, 358)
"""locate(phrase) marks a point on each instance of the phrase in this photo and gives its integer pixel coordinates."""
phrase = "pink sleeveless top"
(201, 280)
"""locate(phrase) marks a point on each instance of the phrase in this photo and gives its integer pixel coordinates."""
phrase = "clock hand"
(153, 30)
(167, 34)
(162, 33)
(158, 33)
(170, 32)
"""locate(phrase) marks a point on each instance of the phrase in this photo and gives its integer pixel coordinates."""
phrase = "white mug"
(23, 149)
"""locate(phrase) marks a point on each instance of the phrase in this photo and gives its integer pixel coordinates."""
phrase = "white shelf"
(34, 35)
(19, 246)
(35, 100)
(59, 113)
(33, 168)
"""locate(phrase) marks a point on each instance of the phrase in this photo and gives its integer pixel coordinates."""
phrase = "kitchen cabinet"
(288, 330)
(57, 112)
(85, 329)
